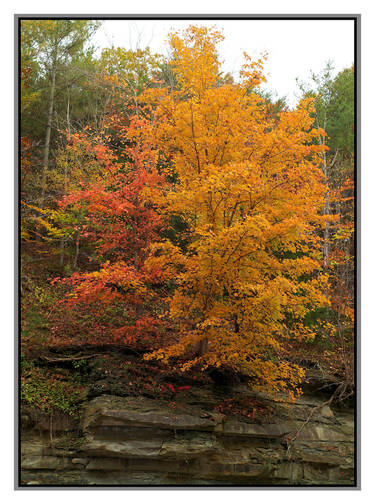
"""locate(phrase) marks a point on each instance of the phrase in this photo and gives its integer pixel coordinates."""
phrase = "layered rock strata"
(140, 441)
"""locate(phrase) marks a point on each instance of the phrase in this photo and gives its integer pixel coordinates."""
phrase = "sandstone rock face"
(142, 412)
(139, 441)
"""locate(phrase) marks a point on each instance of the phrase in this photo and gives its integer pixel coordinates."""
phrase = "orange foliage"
(249, 188)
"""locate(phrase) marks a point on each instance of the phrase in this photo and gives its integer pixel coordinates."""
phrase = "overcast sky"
(294, 47)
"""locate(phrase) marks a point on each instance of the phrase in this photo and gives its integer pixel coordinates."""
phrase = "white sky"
(294, 47)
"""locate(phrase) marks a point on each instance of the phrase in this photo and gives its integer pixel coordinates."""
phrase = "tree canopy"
(182, 212)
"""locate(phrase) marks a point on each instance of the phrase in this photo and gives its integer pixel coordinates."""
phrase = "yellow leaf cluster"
(250, 189)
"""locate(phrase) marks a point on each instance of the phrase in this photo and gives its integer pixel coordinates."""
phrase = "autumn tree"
(55, 63)
(121, 75)
(249, 187)
(116, 216)
(55, 42)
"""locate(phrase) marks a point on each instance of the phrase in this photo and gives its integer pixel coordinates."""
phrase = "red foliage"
(112, 304)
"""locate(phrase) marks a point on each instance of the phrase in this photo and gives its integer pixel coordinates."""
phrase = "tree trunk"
(48, 135)
(326, 248)
(202, 347)
(62, 242)
(236, 324)
(77, 248)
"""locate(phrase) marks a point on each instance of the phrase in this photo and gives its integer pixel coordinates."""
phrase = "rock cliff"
(142, 441)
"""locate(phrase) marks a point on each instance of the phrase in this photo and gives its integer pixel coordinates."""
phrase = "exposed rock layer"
(139, 441)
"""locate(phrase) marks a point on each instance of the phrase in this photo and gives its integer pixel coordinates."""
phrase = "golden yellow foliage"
(250, 189)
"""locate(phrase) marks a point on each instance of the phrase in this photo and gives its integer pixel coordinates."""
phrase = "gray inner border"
(301, 17)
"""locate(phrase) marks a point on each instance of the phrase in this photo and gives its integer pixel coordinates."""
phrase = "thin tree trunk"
(326, 247)
(202, 347)
(48, 136)
(68, 115)
(62, 242)
(77, 248)
(327, 207)
(62, 247)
